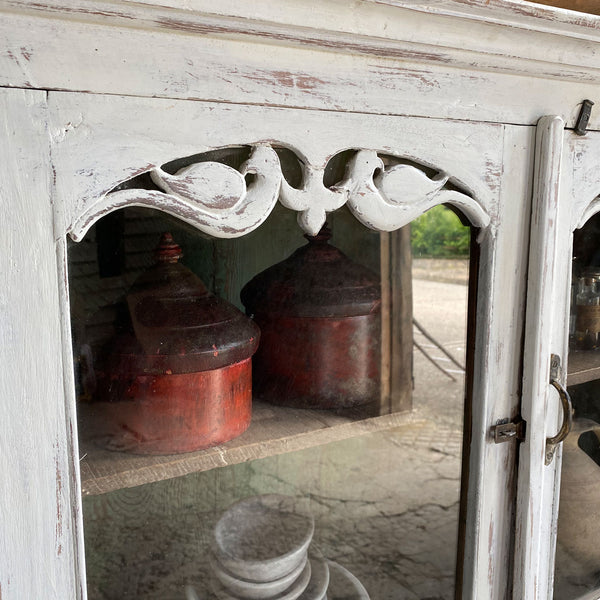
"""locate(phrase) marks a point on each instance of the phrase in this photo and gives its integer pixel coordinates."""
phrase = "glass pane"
(578, 553)
(380, 479)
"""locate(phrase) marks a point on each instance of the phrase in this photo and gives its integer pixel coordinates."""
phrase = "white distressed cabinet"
(474, 101)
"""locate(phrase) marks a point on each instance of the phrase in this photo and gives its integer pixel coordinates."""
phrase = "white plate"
(343, 585)
(252, 590)
(292, 593)
(319, 579)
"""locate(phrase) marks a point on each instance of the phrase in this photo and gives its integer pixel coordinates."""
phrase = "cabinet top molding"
(329, 15)
(460, 59)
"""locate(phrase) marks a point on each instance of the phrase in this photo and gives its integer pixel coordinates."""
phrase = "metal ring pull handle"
(565, 428)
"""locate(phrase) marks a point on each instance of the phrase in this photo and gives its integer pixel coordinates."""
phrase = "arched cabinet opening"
(359, 386)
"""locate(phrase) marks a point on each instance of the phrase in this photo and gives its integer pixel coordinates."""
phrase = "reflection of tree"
(439, 233)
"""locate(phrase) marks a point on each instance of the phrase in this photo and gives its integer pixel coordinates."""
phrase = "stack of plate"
(261, 551)
(343, 585)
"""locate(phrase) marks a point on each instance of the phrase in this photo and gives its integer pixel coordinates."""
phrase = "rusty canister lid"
(317, 280)
(178, 325)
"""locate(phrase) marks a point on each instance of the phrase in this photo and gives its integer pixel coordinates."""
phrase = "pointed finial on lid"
(167, 250)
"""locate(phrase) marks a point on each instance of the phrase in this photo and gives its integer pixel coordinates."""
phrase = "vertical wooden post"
(40, 542)
(544, 322)
(397, 328)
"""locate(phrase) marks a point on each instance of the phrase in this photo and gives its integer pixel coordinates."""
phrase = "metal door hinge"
(509, 430)
(584, 117)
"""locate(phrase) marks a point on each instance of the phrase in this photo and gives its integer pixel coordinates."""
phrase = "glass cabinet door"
(385, 504)
(557, 503)
(404, 491)
(577, 567)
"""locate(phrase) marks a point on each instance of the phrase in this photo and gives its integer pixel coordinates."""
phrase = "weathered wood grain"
(397, 321)
(113, 143)
(543, 336)
(579, 187)
(274, 430)
(496, 370)
(147, 82)
(405, 67)
(583, 367)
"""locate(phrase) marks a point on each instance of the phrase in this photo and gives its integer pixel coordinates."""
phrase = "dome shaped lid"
(317, 280)
(178, 325)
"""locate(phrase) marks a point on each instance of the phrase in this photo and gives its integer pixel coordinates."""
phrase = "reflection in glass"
(382, 483)
(577, 565)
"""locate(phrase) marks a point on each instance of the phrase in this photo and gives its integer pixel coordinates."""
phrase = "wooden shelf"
(274, 430)
(583, 367)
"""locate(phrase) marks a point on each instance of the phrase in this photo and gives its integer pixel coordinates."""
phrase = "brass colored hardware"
(565, 399)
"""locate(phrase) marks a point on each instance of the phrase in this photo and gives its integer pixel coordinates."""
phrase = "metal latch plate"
(511, 430)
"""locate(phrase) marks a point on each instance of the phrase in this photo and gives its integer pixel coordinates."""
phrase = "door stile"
(38, 537)
(71, 416)
(498, 332)
(545, 334)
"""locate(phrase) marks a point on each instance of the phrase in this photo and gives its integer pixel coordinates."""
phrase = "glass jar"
(587, 324)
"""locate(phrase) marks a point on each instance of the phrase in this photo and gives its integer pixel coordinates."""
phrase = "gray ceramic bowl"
(253, 590)
(263, 538)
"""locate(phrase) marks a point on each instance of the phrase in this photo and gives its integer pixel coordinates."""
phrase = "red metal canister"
(320, 321)
(181, 378)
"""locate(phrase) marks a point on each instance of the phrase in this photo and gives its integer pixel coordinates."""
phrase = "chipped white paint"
(581, 154)
(101, 153)
(432, 83)
(544, 335)
(314, 200)
(579, 188)
(502, 281)
(305, 56)
(567, 187)
(211, 196)
(39, 496)
(113, 132)
(389, 198)
(215, 198)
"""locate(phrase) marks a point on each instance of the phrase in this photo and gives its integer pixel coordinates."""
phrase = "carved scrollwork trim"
(589, 211)
(225, 202)
(211, 196)
(389, 198)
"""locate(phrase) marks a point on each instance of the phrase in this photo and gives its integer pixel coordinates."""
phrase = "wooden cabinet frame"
(95, 93)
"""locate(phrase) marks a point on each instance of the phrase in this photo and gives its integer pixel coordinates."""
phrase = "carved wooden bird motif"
(387, 199)
(405, 184)
(211, 196)
(209, 184)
